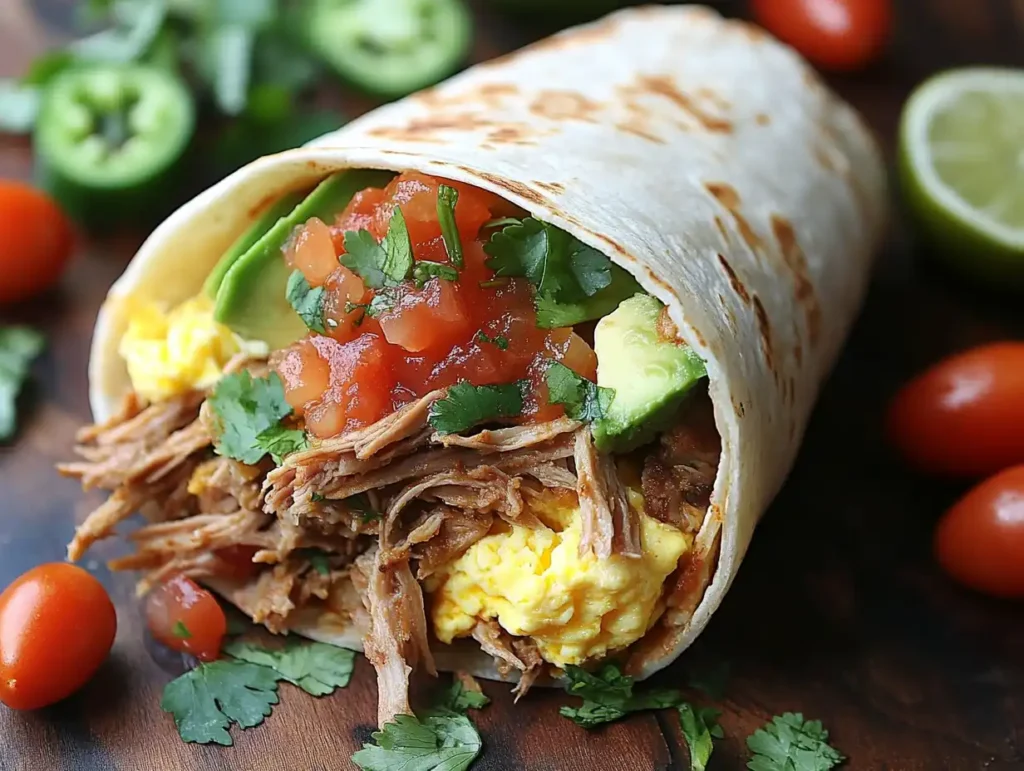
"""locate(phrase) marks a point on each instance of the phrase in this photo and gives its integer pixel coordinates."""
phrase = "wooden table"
(838, 611)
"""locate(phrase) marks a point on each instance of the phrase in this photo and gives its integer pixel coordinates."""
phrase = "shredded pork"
(510, 653)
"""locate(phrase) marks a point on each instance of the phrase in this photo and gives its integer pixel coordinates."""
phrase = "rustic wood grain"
(837, 612)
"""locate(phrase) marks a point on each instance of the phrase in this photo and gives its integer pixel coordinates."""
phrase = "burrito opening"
(403, 411)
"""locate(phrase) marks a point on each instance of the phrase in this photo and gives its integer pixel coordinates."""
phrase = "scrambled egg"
(535, 584)
(171, 352)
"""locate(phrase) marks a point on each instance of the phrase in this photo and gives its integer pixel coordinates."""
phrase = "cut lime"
(961, 163)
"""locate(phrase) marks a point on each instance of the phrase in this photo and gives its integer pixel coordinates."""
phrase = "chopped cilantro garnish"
(397, 249)
(608, 695)
(436, 743)
(500, 222)
(280, 441)
(424, 270)
(316, 668)
(365, 257)
(790, 743)
(18, 347)
(317, 498)
(319, 560)
(207, 700)
(447, 197)
(360, 504)
(459, 698)
(583, 400)
(500, 340)
(181, 631)
(700, 727)
(307, 301)
(467, 405)
(244, 408)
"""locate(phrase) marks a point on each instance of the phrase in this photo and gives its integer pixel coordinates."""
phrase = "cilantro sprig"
(424, 270)
(444, 739)
(700, 728)
(447, 198)
(608, 696)
(18, 347)
(317, 668)
(467, 405)
(583, 400)
(790, 743)
(574, 281)
(247, 417)
(383, 264)
(498, 340)
(307, 301)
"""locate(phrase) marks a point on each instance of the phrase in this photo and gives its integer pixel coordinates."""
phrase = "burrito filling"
(403, 408)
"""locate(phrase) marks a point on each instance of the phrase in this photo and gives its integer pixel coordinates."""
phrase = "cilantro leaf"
(18, 347)
(360, 504)
(280, 441)
(319, 560)
(558, 311)
(207, 700)
(364, 256)
(244, 407)
(609, 696)
(583, 400)
(458, 698)
(467, 405)
(425, 270)
(447, 197)
(397, 249)
(500, 222)
(307, 301)
(700, 726)
(790, 743)
(316, 668)
(500, 340)
(519, 249)
(181, 631)
(436, 743)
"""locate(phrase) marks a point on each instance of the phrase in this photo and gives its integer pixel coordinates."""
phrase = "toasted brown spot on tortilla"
(738, 407)
(734, 280)
(763, 119)
(551, 187)
(512, 186)
(766, 333)
(722, 228)
(639, 129)
(727, 196)
(663, 85)
(714, 97)
(426, 129)
(511, 135)
(665, 328)
(796, 261)
(751, 32)
(491, 95)
(564, 105)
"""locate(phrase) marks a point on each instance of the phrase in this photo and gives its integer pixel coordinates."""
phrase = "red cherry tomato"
(980, 540)
(965, 415)
(185, 617)
(37, 241)
(57, 625)
(833, 34)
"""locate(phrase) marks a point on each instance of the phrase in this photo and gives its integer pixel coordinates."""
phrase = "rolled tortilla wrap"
(699, 154)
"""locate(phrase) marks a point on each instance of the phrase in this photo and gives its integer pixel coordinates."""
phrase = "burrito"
(498, 378)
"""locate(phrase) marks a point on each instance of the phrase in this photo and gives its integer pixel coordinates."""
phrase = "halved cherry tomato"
(187, 618)
(980, 540)
(833, 34)
(57, 625)
(965, 415)
(37, 241)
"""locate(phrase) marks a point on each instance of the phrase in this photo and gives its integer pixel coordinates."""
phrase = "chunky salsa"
(430, 332)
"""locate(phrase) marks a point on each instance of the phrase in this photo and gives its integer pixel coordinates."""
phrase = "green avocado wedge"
(255, 232)
(651, 376)
(251, 298)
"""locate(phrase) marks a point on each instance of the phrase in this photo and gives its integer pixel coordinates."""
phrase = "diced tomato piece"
(311, 250)
(416, 195)
(344, 289)
(185, 617)
(358, 215)
(303, 372)
(572, 350)
(359, 392)
(431, 317)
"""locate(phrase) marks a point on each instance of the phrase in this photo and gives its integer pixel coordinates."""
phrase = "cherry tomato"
(37, 241)
(187, 618)
(57, 625)
(833, 34)
(980, 540)
(965, 415)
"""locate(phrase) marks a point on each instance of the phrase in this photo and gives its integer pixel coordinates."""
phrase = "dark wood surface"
(837, 612)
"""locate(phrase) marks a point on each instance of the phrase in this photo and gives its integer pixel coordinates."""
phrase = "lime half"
(961, 163)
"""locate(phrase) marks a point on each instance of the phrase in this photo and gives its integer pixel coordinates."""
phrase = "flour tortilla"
(699, 154)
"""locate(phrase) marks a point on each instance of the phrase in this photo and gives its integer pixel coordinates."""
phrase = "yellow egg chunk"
(169, 353)
(534, 583)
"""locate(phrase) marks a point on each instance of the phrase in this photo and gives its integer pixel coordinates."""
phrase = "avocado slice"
(251, 297)
(651, 376)
(255, 232)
